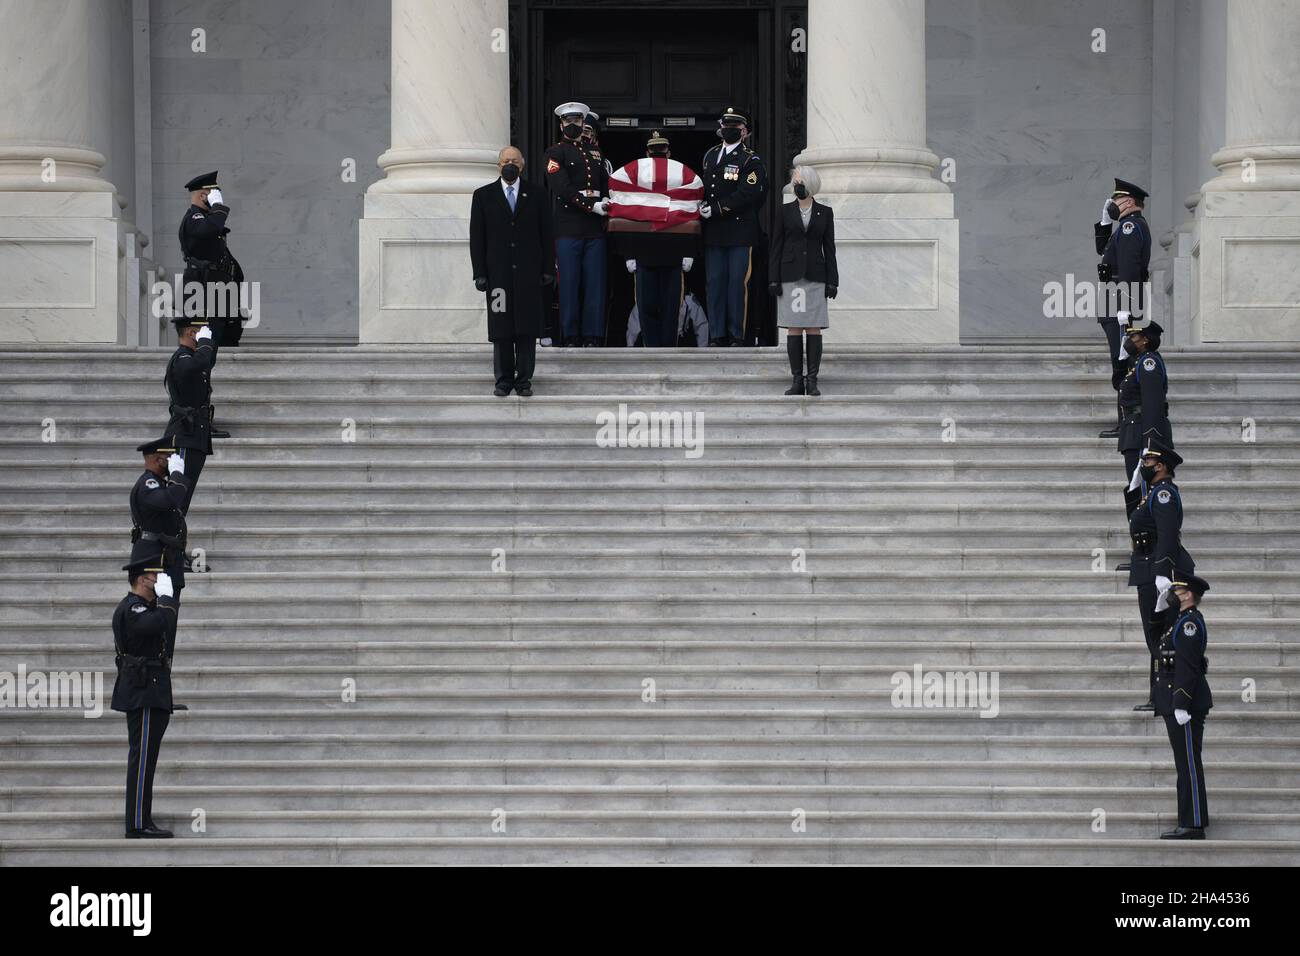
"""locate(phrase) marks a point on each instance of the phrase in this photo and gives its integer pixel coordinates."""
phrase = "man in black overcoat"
(512, 250)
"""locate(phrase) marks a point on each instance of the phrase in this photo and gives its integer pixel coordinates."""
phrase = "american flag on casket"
(655, 190)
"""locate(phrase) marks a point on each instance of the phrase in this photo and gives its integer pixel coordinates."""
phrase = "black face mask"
(1130, 348)
(730, 134)
(800, 191)
(1113, 209)
(659, 153)
(1148, 473)
(510, 172)
(571, 130)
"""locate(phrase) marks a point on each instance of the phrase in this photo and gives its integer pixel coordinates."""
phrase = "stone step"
(500, 849)
(1087, 716)
(696, 824)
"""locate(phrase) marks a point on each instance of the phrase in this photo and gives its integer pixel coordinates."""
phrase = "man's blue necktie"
(510, 198)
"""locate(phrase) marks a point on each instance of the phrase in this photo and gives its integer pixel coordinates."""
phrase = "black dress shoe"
(220, 433)
(1124, 566)
(525, 392)
(1184, 833)
(1145, 707)
(717, 343)
(1109, 433)
(500, 392)
(150, 832)
(572, 342)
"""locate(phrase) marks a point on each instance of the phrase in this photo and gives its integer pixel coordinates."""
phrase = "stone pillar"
(450, 117)
(895, 229)
(1187, 167)
(1249, 217)
(58, 216)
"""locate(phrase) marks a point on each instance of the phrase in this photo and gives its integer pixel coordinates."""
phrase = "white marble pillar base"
(59, 256)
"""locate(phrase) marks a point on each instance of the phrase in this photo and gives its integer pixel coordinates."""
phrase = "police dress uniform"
(735, 187)
(208, 260)
(1155, 527)
(189, 389)
(157, 518)
(578, 181)
(1143, 399)
(1125, 250)
(1181, 684)
(144, 639)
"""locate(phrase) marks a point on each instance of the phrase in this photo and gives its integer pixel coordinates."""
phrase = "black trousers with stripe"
(194, 460)
(1186, 742)
(144, 728)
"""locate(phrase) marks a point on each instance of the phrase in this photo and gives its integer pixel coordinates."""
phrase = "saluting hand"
(175, 464)
(163, 586)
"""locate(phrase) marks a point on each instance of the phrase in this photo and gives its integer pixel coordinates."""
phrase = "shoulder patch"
(1163, 496)
(552, 165)
(1149, 364)
(1189, 628)
(151, 482)
(752, 179)
(1127, 228)
(197, 215)
(138, 608)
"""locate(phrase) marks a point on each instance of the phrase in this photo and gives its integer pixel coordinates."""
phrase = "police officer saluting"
(1123, 241)
(189, 388)
(207, 256)
(157, 500)
(1183, 698)
(144, 638)
(1143, 398)
(1155, 526)
(579, 186)
(735, 186)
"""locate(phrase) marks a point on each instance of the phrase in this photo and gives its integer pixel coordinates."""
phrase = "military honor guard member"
(658, 274)
(511, 249)
(735, 187)
(579, 185)
(804, 276)
(157, 501)
(1155, 526)
(591, 139)
(189, 389)
(1123, 241)
(1182, 697)
(144, 639)
(207, 255)
(1143, 396)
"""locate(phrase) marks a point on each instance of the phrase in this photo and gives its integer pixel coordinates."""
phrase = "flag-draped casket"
(654, 210)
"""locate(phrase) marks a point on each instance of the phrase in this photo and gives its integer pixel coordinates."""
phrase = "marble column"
(59, 230)
(450, 117)
(895, 229)
(1248, 220)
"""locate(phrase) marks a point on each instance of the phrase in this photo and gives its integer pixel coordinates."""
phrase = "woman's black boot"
(794, 348)
(814, 364)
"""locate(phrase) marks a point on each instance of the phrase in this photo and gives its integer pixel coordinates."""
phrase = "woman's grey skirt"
(802, 305)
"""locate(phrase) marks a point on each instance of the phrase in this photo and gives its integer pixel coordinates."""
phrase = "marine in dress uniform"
(189, 389)
(1143, 397)
(658, 277)
(157, 499)
(1182, 696)
(144, 639)
(579, 187)
(591, 138)
(735, 187)
(1123, 241)
(1155, 527)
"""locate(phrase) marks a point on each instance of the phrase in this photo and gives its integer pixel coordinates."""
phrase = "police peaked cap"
(1158, 449)
(164, 444)
(1125, 188)
(1197, 586)
(730, 117)
(145, 556)
(206, 181)
(1151, 330)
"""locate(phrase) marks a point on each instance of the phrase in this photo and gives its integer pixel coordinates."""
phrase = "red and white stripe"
(656, 190)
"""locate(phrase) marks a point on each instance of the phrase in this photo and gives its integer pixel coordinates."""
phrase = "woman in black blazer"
(803, 275)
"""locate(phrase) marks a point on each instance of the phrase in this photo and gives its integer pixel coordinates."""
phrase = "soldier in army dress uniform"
(735, 188)
(144, 639)
(157, 500)
(1182, 698)
(1123, 241)
(1155, 526)
(189, 389)
(579, 186)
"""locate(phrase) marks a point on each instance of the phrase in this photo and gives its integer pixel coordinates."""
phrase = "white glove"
(687, 263)
(1165, 594)
(705, 210)
(215, 197)
(1105, 219)
(163, 586)
(601, 208)
(175, 463)
(1163, 583)
(1182, 717)
(1137, 477)
(631, 265)
(203, 334)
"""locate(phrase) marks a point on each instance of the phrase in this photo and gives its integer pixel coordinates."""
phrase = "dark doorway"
(673, 67)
